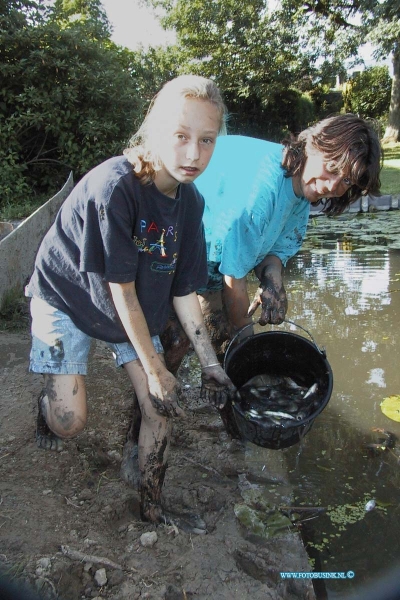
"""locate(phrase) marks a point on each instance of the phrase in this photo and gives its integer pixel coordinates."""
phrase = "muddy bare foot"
(45, 438)
(186, 521)
(130, 472)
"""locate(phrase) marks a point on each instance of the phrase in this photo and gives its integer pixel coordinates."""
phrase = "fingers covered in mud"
(168, 406)
(273, 301)
(216, 387)
(164, 393)
(255, 303)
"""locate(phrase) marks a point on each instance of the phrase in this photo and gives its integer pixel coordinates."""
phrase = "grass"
(14, 311)
(390, 174)
(15, 212)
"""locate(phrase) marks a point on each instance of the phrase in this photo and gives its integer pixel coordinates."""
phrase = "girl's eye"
(207, 141)
(346, 181)
(180, 136)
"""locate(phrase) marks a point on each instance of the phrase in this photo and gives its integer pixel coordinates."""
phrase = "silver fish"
(371, 504)
(255, 392)
(276, 413)
(311, 390)
(263, 380)
(290, 383)
(253, 413)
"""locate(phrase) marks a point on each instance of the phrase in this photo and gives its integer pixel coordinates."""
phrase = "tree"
(384, 30)
(340, 27)
(68, 13)
(68, 99)
(252, 52)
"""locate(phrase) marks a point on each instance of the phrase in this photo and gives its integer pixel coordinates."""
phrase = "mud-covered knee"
(67, 424)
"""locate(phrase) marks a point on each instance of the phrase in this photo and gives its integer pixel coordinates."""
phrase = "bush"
(67, 102)
(368, 93)
(288, 111)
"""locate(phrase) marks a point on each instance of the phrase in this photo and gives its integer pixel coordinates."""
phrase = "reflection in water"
(350, 303)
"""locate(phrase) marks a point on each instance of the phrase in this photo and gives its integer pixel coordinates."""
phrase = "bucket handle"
(239, 331)
(322, 351)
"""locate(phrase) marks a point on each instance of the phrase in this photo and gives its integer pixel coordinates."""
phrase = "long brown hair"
(142, 149)
(348, 141)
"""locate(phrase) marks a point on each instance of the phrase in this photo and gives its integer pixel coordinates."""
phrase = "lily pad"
(390, 407)
(320, 251)
(266, 525)
(254, 497)
(374, 248)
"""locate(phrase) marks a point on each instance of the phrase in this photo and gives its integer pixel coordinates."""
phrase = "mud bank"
(70, 528)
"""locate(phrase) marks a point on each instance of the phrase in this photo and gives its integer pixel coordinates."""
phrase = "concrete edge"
(19, 248)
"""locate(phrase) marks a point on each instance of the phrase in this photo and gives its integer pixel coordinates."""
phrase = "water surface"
(344, 287)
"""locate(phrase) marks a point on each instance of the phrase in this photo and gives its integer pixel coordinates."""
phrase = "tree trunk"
(392, 133)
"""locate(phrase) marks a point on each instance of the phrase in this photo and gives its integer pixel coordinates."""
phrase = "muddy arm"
(189, 314)
(160, 380)
(216, 385)
(271, 294)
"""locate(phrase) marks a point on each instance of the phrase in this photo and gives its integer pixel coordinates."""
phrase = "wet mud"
(71, 527)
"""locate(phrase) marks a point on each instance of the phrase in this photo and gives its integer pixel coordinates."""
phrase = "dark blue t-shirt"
(114, 229)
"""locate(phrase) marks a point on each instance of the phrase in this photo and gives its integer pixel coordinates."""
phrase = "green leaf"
(390, 407)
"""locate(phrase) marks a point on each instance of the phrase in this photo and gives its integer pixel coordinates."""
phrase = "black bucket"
(284, 354)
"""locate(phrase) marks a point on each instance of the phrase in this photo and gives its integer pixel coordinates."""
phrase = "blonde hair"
(142, 149)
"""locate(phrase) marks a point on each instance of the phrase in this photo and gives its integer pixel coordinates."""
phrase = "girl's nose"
(192, 151)
(333, 182)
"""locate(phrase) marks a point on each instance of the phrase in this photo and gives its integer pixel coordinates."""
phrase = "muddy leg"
(45, 438)
(130, 472)
(62, 410)
(216, 321)
(151, 502)
(153, 450)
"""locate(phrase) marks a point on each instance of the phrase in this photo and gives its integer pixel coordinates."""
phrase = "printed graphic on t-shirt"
(156, 240)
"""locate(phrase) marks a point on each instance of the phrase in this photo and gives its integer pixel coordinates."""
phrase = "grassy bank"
(390, 175)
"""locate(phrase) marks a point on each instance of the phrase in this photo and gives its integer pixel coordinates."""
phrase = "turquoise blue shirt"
(251, 210)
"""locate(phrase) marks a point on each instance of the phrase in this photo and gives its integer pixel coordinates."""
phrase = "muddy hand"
(271, 296)
(164, 394)
(168, 406)
(216, 387)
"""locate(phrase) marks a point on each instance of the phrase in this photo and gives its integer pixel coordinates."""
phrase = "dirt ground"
(70, 527)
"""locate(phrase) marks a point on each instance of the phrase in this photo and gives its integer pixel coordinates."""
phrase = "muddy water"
(344, 287)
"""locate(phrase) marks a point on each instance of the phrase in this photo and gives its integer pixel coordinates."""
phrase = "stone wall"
(366, 204)
(18, 249)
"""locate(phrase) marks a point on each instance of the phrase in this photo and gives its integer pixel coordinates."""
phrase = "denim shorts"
(60, 348)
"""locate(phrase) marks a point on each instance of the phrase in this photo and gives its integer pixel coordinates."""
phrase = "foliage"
(254, 55)
(90, 13)
(390, 407)
(67, 101)
(326, 101)
(14, 311)
(368, 93)
(335, 29)
(151, 69)
(258, 51)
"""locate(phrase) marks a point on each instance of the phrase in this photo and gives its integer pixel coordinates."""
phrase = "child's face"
(320, 178)
(187, 143)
